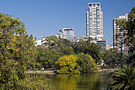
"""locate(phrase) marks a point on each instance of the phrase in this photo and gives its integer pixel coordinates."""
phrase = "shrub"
(80, 63)
(86, 63)
(67, 64)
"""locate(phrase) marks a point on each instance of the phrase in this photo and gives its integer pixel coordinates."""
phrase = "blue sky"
(46, 17)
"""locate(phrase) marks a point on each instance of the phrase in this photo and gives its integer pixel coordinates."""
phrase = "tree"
(129, 27)
(67, 50)
(124, 79)
(131, 35)
(112, 58)
(93, 50)
(80, 63)
(79, 47)
(51, 42)
(52, 49)
(65, 47)
(47, 58)
(87, 47)
(16, 51)
(67, 64)
(86, 63)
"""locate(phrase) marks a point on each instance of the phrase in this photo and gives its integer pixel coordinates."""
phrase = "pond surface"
(91, 81)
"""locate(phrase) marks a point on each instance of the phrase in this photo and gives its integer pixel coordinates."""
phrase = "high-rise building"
(94, 21)
(118, 36)
(102, 45)
(67, 33)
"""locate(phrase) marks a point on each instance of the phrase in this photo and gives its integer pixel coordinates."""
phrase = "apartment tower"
(118, 36)
(94, 21)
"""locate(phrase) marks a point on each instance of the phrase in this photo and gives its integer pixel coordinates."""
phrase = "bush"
(80, 63)
(67, 64)
(86, 63)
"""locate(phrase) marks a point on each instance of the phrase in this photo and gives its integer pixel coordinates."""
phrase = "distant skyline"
(46, 17)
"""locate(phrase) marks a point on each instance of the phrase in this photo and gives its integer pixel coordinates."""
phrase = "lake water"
(91, 81)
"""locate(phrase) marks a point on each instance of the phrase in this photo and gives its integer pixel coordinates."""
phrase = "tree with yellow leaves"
(17, 50)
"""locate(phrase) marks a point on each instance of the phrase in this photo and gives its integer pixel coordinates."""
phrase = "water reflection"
(93, 81)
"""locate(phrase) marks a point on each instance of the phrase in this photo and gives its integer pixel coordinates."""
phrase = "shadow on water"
(91, 81)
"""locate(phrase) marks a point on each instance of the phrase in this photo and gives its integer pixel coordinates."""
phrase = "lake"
(91, 81)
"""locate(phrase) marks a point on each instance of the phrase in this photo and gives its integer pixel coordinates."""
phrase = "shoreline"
(54, 72)
(107, 70)
(42, 72)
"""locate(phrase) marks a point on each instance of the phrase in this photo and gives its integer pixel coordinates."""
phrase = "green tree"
(112, 58)
(16, 51)
(67, 64)
(93, 50)
(124, 79)
(51, 42)
(86, 63)
(65, 47)
(47, 58)
(87, 47)
(67, 50)
(129, 28)
(79, 47)
(52, 49)
(131, 35)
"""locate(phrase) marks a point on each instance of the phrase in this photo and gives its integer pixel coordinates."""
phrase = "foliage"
(112, 58)
(79, 47)
(50, 42)
(67, 51)
(86, 63)
(87, 47)
(94, 51)
(17, 50)
(67, 64)
(47, 58)
(36, 82)
(80, 63)
(124, 79)
(129, 28)
(52, 49)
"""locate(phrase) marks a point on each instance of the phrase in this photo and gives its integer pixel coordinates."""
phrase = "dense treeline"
(54, 48)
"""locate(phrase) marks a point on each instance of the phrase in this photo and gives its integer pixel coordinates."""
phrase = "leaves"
(67, 64)
(86, 63)
(75, 64)
(17, 51)
(124, 79)
(129, 27)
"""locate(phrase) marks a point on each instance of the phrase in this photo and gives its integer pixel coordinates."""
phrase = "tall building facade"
(67, 33)
(94, 21)
(118, 36)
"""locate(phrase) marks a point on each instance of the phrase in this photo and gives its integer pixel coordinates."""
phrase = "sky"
(47, 17)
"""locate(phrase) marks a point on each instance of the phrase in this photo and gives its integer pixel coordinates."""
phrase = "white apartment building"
(94, 21)
(118, 36)
(67, 33)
